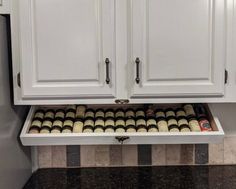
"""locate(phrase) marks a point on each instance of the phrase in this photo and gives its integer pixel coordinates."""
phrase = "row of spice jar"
(81, 112)
(168, 121)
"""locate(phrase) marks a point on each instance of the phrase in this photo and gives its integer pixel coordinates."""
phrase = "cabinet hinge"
(18, 80)
(226, 76)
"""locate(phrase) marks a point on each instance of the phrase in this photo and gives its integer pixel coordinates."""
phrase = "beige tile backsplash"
(127, 155)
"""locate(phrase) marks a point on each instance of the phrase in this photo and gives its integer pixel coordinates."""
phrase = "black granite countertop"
(182, 177)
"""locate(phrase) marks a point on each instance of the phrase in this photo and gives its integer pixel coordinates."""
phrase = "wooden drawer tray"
(214, 136)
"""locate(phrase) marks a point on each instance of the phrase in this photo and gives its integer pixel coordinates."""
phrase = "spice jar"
(141, 125)
(49, 115)
(120, 125)
(204, 124)
(57, 126)
(130, 125)
(99, 114)
(194, 125)
(162, 125)
(88, 126)
(67, 126)
(152, 125)
(70, 114)
(140, 114)
(150, 113)
(46, 126)
(47, 123)
(89, 114)
(173, 125)
(160, 114)
(80, 112)
(120, 114)
(183, 125)
(71, 108)
(188, 108)
(200, 111)
(99, 125)
(45, 130)
(170, 113)
(110, 125)
(34, 130)
(60, 114)
(78, 126)
(36, 124)
(39, 115)
(129, 113)
(110, 114)
(180, 113)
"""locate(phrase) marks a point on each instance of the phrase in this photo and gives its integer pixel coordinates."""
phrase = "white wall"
(15, 164)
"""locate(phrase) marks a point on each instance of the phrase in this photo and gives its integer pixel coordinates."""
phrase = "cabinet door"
(180, 45)
(64, 45)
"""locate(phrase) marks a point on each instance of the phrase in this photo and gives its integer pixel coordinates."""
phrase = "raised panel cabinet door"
(177, 48)
(67, 48)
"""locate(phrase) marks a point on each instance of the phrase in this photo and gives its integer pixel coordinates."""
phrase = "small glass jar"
(71, 108)
(36, 124)
(99, 125)
(129, 113)
(180, 113)
(150, 113)
(78, 126)
(88, 126)
(170, 113)
(120, 125)
(140, 114)
(57, 126)
(130, 125)
(173, 125)
(89, 114)
(160, 114)
(39, 115)
(110, 114)
(152, 125)
(60, 114)
(189, 110)
(183, 125)
(204, 124)
(162, 125)
(120, 114)
(194, 125)
(99, 114)
(49, 114)
(110, 125)
(80, 112)
(141, 125)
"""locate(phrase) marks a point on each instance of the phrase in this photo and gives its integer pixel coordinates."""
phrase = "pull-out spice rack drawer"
(40, 139)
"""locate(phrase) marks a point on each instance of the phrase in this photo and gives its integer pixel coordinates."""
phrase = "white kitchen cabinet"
(59, 49)
(67, 49)
(177, 48)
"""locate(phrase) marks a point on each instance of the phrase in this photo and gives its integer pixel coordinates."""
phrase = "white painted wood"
(5, 6)
(181, 45)
(124, 70)
(64, 45)
(109, 138)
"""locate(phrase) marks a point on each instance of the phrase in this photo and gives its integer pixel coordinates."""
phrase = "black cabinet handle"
(137, 61)
(107, 61)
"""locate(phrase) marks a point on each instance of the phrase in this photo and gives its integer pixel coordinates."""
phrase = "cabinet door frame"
(138, 48)
(33, 88)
